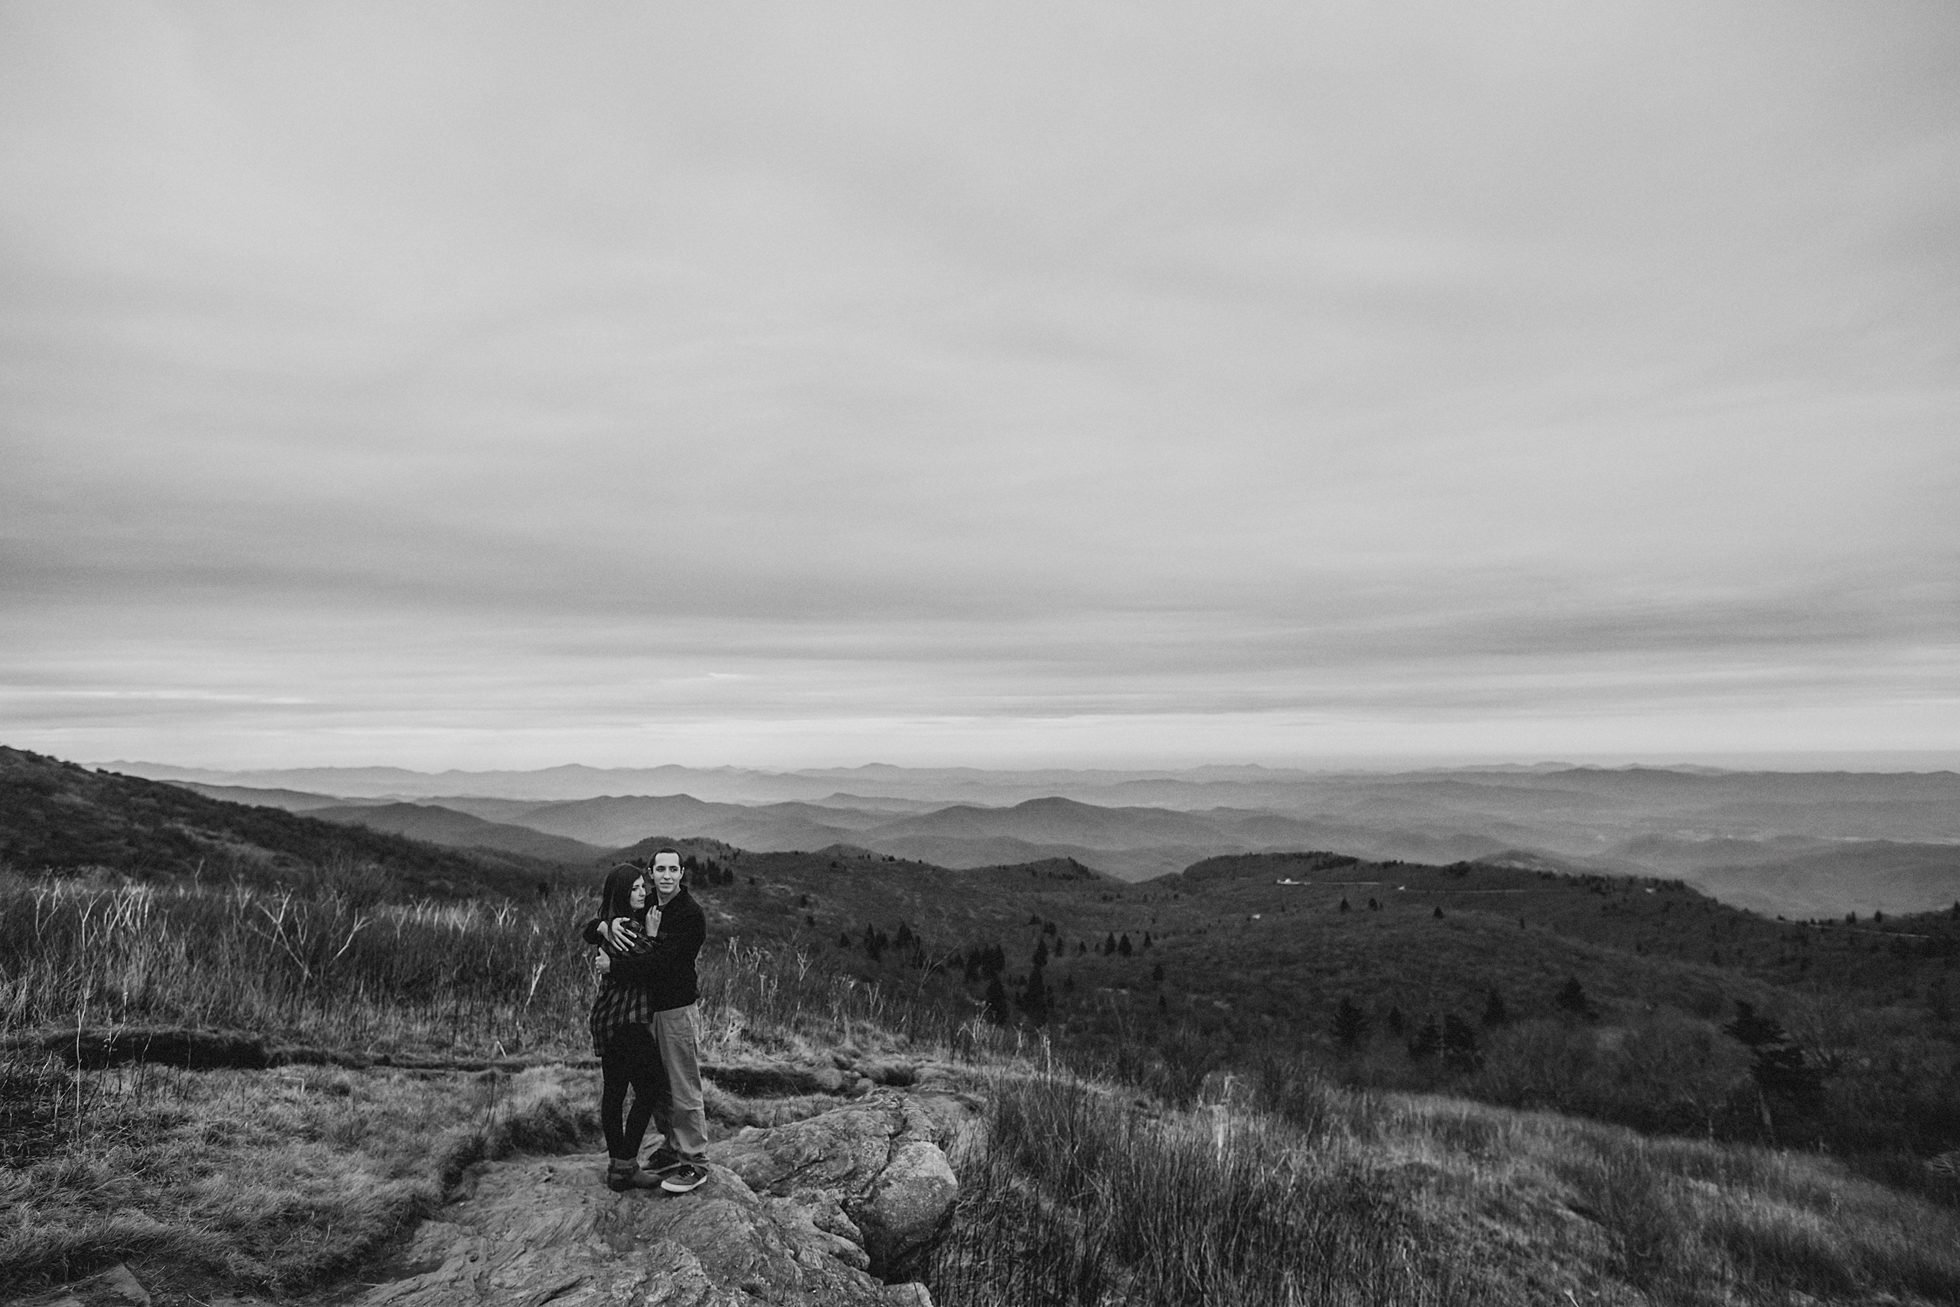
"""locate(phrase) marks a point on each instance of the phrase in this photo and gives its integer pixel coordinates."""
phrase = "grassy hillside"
(1601, 995)
(58, 816)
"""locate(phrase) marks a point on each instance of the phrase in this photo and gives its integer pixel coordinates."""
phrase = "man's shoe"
(625, 1174)
(663, 1159)
(682, 1178)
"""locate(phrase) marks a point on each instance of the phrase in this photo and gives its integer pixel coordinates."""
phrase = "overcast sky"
(509, 385)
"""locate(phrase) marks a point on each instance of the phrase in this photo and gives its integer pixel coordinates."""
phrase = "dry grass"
(1075, 1194)
(269, 1179)
(1274, 1187)
(486, 979)
(1674, 1221)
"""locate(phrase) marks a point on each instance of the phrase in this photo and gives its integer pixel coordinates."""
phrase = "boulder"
(876, 1162)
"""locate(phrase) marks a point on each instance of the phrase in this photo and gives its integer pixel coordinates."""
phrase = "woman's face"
(637, 896)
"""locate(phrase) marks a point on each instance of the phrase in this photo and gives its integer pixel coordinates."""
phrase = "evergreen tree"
(1460, 1051)
(1109, 944)
(1571, 999)
(1495, 1013)
(1428, 1041)
(1777, 1063)
(1438, 913)
(1040, 954)
(1123, 945)
(1350, 1024)
(996, 1000)
(1034, 998)
(1397, 1023)
(1344, 904)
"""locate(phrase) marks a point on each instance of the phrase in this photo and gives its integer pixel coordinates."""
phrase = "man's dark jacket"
(667, 968)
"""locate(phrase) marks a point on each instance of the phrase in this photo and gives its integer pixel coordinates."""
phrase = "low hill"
(433, 824)
(289, 800)
(1862, 876)
(58, 816)
(811, 899)
(1239, 956)
(613, 821)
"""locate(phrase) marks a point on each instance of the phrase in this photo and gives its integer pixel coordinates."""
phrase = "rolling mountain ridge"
(1798, 844)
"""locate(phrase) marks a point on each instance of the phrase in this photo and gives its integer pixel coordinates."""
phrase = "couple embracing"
(648, 932)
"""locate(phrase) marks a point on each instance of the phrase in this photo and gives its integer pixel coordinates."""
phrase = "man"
(677, 928)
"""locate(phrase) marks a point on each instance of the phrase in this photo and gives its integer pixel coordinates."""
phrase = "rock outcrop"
(873, 1172)
(820, 1211)
(821, 1199)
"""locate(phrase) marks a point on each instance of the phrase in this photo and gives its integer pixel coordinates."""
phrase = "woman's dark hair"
(617, 898)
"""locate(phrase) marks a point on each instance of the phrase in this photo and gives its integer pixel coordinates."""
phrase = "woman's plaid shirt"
(621, 1003)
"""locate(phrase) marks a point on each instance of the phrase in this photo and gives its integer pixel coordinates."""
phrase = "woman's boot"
(623, 1173)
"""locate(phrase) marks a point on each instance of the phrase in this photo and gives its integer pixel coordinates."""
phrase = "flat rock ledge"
(819, 1212)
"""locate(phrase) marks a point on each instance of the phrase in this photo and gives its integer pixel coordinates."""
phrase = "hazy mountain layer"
(1795, 843)
(444, 826)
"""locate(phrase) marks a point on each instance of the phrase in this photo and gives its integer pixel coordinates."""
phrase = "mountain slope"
(56, 815)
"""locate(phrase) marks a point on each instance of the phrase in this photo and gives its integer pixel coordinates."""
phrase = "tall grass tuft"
(476, 975)
(1073, 1194)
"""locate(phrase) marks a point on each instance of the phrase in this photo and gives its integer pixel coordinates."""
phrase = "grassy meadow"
(403, 1041)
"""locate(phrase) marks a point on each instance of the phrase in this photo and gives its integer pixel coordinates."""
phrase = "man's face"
(667, 874)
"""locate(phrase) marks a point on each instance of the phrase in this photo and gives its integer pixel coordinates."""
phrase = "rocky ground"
(826, 1185)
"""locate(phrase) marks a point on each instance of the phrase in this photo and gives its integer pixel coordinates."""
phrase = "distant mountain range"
(1800, 844)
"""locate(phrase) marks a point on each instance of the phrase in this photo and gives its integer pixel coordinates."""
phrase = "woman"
(621, 1037)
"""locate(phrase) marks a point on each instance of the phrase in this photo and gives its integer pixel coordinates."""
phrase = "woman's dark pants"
(632, 1060)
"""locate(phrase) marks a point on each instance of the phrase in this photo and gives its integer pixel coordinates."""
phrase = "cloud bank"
(809, 385)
